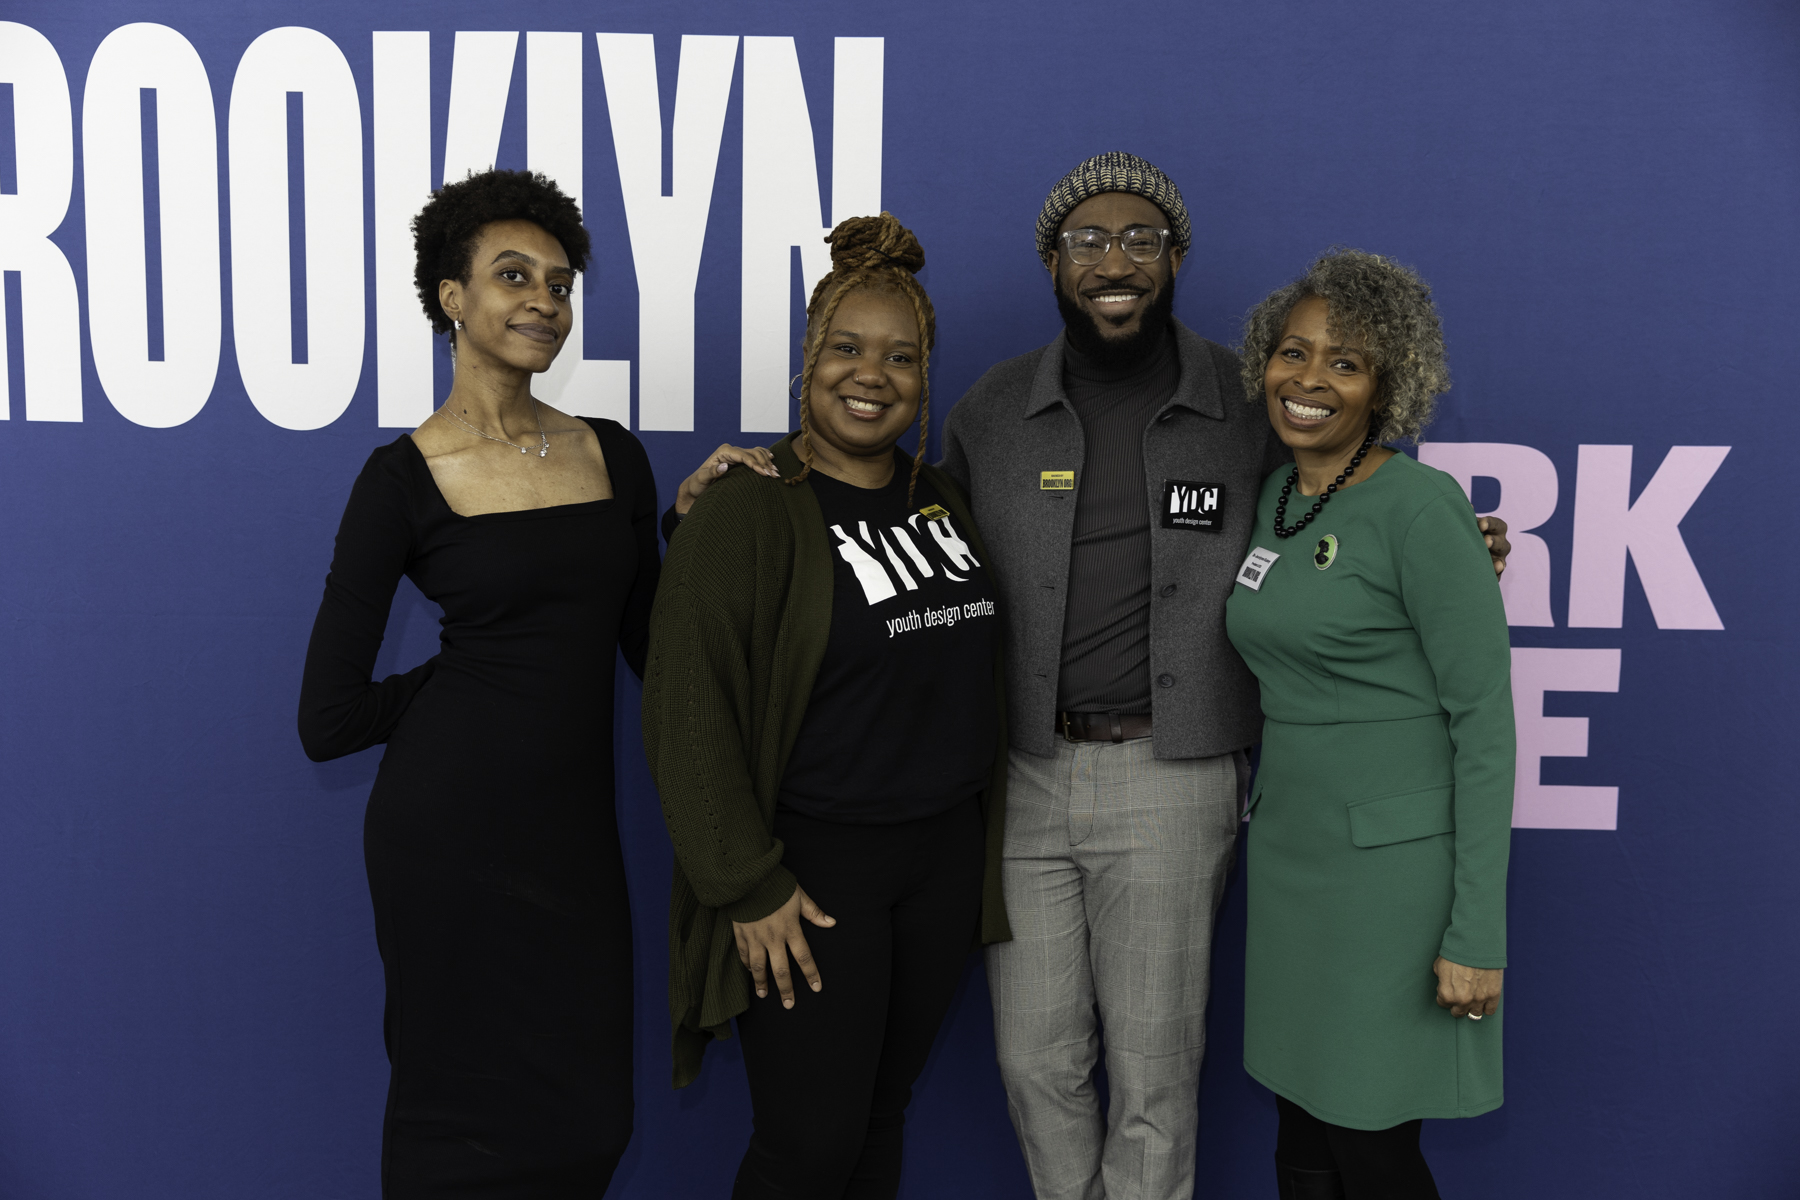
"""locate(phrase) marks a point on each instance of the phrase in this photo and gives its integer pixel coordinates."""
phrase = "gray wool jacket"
(1014, 426)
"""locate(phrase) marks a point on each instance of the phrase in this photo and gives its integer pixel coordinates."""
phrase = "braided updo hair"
(875, 254)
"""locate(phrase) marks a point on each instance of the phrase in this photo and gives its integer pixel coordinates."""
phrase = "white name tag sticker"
(1256, 567)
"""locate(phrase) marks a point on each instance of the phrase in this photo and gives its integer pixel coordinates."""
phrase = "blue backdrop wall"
(204, 337)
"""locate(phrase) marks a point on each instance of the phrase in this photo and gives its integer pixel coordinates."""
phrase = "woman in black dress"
(492, 851)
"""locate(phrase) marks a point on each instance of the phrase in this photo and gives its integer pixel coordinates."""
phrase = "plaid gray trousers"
(1114, 866)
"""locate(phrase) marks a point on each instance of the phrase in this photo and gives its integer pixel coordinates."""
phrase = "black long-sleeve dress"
(492, 849)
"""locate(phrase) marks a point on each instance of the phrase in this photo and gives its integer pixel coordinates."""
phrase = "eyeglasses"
(1142, 244)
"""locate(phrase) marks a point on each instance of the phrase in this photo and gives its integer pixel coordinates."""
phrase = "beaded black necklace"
(1319, 504)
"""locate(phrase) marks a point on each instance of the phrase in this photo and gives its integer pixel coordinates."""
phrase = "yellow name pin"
(934, 512)
(1057, 481)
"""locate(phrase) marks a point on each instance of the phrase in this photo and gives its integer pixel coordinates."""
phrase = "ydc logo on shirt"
(890, 559)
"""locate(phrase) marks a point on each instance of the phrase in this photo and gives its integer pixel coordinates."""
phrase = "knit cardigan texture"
(740, 625)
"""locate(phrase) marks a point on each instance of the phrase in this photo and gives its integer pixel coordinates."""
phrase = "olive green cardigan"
(742, 617)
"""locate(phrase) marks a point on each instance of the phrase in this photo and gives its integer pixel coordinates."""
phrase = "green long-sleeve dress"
(1382, 815)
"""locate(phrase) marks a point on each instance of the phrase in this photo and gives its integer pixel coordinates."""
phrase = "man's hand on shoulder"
(757, 458)
(1494, 531)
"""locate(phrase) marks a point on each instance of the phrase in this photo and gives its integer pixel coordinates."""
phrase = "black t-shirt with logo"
(902, 722)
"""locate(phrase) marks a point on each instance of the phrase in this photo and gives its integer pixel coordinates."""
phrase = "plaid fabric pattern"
(1115, 171)
(1115, 864)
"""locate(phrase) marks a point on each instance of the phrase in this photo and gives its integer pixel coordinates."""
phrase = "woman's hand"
(756, 458)
(1467, 991)
(1494, 529)
(763, 945)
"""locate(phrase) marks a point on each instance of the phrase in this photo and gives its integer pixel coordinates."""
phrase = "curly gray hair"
(1378, 305)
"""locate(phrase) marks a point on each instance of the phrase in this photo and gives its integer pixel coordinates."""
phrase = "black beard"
(1087, 339)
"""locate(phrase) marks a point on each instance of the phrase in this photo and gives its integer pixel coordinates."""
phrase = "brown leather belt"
(1102, 727)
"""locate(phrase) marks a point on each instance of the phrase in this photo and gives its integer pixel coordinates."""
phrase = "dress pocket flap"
(1403, 817)
(1255, 795)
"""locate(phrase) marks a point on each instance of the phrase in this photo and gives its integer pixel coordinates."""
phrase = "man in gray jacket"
(1114, 475)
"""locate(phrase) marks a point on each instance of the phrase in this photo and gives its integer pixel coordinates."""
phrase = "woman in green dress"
(1382, 814)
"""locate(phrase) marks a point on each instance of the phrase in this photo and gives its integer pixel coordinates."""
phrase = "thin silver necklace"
(543, 449)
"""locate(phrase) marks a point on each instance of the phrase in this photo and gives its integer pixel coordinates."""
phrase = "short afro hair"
(444, 231)
(1378, 305)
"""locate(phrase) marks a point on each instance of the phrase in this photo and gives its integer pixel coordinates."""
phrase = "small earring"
(458, 325)
(792, 394)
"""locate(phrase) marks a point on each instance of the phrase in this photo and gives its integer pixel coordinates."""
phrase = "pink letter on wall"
(1607, 525)
(1528, 489)
(1536, 670)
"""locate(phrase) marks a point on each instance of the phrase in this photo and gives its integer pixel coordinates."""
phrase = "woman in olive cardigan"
(824, 717)
(1381, 818)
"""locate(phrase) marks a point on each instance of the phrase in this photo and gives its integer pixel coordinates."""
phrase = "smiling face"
(867, 381)
(515, 306)
(1320, 392)
(1116, 304)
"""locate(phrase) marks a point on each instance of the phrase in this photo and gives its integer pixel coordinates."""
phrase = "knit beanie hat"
(1113, 172)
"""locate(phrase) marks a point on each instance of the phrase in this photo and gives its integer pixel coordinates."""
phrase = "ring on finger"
(1474, 1016)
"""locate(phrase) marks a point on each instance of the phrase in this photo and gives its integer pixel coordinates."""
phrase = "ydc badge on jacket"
(1196, 506)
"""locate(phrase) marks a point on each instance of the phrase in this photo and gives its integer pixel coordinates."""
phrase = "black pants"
(830, 1078)
(1373, 1164)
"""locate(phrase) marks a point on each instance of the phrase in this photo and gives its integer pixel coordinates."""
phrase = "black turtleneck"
(1106, 632)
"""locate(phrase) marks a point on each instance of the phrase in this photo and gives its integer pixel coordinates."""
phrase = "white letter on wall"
(315, 393)
(667, 232)
(1528, 489)
(781, 199)
(857, 81)
(44, 149)
(480, 79)
(402, 116)
(1607, 525)
(580, 386)
(1536, 670)
(170, 392)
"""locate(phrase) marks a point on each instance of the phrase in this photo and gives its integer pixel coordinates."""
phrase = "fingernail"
(761, 995)
(787, 1004)
(817, 986)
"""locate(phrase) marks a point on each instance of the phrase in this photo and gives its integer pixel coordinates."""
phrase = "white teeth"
(862, 406)
(1114, 299)
(1306, 412)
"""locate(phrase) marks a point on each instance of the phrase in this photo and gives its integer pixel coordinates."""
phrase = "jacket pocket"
(1403, 816)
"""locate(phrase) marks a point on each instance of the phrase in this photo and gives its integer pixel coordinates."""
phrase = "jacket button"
(1165, 680)
(1168, 589)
